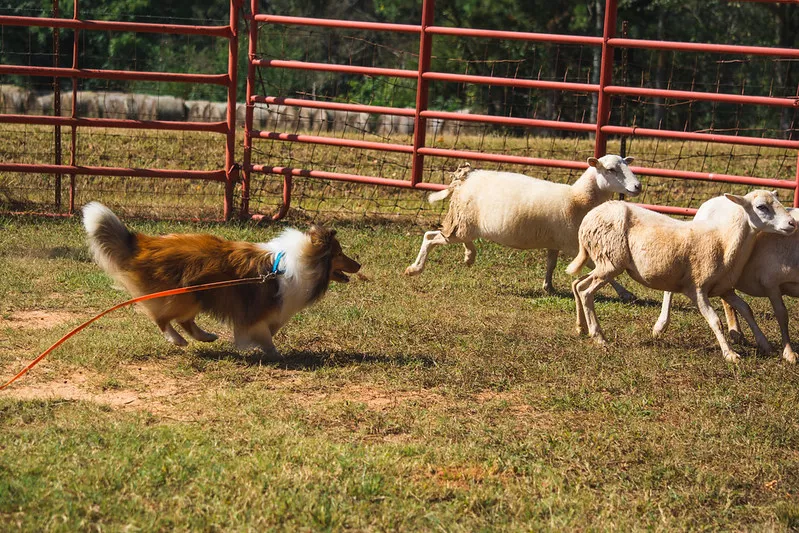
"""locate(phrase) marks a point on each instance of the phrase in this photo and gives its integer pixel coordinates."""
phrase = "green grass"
(460, 400)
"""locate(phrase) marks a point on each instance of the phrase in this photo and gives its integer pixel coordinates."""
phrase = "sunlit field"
(459, 400)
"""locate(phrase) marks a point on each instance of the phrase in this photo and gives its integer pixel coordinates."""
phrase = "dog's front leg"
(258, 335)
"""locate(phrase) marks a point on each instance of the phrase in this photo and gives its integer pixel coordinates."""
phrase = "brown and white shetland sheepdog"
(144, 265)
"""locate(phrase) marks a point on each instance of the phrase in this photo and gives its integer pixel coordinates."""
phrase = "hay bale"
(278, 117)
(349, 121)
(310, 119)
(15, 100)
(114, 105)
(170, 108)
(260, 118)
(141, 107)
(44, 104)
(394, 125)
(217, 112)
(88, 104)
(198, 110)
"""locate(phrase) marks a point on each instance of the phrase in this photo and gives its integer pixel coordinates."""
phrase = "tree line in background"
(719, 21)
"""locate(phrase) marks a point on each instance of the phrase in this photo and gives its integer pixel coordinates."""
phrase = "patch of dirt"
(36, 319)
(154, 390)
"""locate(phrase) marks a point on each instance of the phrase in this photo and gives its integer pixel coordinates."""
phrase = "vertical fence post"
(422, 90)
(247, 159)
(231, 171)
(73, 139)
(796, 191)
(56, 109)
(605, 77)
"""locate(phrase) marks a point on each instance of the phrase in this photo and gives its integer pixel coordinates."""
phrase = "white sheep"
(772, 271)
(524, 212)
(697, 258)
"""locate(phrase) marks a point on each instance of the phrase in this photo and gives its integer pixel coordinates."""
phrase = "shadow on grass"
(535, 293)
(311, 360)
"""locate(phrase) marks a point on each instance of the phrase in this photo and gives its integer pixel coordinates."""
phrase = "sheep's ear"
(629, 160)
(594, 162)
(740, 200)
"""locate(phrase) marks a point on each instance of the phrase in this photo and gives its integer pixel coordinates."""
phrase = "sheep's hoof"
(731, 357)
(548, 288)
(580, 329)
(764, 347)
(627, 297)
(658, 330)
(737, 337)
(600, 340)
(789, 355)
(412, 271)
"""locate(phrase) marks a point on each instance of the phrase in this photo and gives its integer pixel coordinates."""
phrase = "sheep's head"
(765, 212)
(613, 174)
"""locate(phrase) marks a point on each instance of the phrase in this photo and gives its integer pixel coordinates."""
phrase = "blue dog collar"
(276, 264)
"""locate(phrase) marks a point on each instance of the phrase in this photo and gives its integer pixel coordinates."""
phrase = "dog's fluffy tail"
(111, 243)
(458, 178)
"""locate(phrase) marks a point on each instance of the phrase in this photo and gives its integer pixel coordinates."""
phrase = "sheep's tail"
(111, 243)
(579, 262)
(457, 179)
(439, 195)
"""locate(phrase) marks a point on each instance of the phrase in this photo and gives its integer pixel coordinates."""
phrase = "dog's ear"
(321, 236)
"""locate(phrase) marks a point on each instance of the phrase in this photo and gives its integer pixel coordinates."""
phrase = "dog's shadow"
(314, 360)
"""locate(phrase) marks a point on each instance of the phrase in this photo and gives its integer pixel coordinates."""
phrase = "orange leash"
(162, 294)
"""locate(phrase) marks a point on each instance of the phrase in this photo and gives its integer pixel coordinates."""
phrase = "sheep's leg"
(582, 327)
(665, 315)
(430, 239)
(552, 262)
(732, 323)
(469, 253)
(742, 307)
(196, 332)
(586, 288)
(700, 299)
(625, 295)
(782, 318)
(170, 334)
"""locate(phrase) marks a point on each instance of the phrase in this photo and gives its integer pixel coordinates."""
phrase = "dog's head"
(340, 264)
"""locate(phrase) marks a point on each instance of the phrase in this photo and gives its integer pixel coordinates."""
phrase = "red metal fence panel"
(228, 174)
(602, 128)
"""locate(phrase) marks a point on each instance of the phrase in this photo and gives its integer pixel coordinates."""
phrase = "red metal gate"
(426, 31)
(227, 174)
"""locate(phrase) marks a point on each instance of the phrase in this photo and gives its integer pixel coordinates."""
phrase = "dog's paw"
(270, 356)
